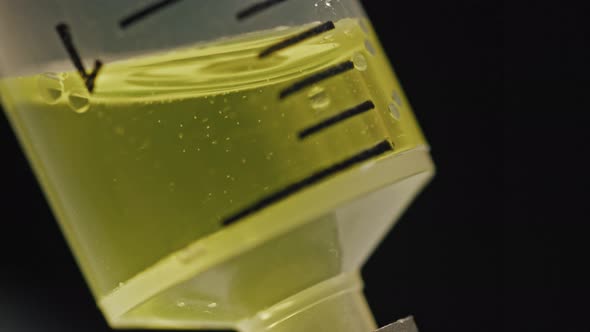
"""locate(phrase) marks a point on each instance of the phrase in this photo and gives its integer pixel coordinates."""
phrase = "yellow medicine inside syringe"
(171, 145)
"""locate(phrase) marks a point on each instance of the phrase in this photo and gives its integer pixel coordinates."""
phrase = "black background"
(443, 263)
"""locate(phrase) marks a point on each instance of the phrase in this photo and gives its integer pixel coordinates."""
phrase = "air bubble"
(394, 111)
(79, 100)
(50, 87)
(360, 62)
(318, 98)
(363, 25)
(397, 98)
(369, 46)
(119, 130)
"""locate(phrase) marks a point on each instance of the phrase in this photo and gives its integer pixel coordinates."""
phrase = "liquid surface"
(169, 146)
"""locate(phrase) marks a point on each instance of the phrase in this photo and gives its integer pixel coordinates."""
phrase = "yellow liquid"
(171, 145)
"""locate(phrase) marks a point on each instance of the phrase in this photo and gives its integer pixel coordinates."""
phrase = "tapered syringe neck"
(337, 304)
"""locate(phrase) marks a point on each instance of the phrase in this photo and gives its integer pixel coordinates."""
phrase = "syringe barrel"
(213, 157)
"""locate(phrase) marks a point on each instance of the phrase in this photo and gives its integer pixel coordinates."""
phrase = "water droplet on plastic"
(50, 87)
(369, 46)
(318, 98)
(394, 111)
(360, 62)
(79, 100)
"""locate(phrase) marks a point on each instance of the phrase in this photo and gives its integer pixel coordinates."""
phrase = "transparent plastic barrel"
(214, 164)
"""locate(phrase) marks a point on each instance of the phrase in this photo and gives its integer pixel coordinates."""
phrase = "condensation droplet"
(79, 100)
(360, 62)
(369, 46)
(318, 98)
(50, 87)
(394, 111)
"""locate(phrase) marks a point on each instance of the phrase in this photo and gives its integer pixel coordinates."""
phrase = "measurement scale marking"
(141, 14)
(256, 8)
(317, 77)
(327, 26)
(346, 114)
(63, 30)
(377, 150)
